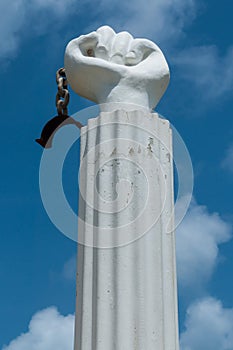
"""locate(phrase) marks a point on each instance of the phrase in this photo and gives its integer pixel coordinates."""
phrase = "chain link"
(63, 96)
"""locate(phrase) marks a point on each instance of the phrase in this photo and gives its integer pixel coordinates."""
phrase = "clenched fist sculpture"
(106, 67)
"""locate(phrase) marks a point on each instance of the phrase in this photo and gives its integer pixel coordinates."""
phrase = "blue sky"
(37, 263)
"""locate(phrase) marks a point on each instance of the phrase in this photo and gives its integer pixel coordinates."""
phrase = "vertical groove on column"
(161, 228)
(104, 261)
(139, 271)
(80, 269)
(96, 131)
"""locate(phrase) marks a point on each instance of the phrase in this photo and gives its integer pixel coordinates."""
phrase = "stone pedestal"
(126, 281)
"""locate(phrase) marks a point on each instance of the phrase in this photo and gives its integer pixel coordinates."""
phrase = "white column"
(126, 282)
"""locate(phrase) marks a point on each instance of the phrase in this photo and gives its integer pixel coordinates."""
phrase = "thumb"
(140, 49)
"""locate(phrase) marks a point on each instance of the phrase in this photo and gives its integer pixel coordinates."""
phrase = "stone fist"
(106, 67)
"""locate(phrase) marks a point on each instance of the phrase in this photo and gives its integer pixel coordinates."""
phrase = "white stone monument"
(126, 281)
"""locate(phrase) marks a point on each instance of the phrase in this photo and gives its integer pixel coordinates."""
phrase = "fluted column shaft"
(126, 281)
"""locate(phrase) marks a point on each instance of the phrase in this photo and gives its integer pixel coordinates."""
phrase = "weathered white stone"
(126, 282)
(106, 67)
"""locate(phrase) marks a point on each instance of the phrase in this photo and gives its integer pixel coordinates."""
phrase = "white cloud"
(10, 24)
(228, 159)
(30, 18)
(207, 69)
(197, 240)
(208, 326)
(48, 330)
(69, 269)
(163, 20)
